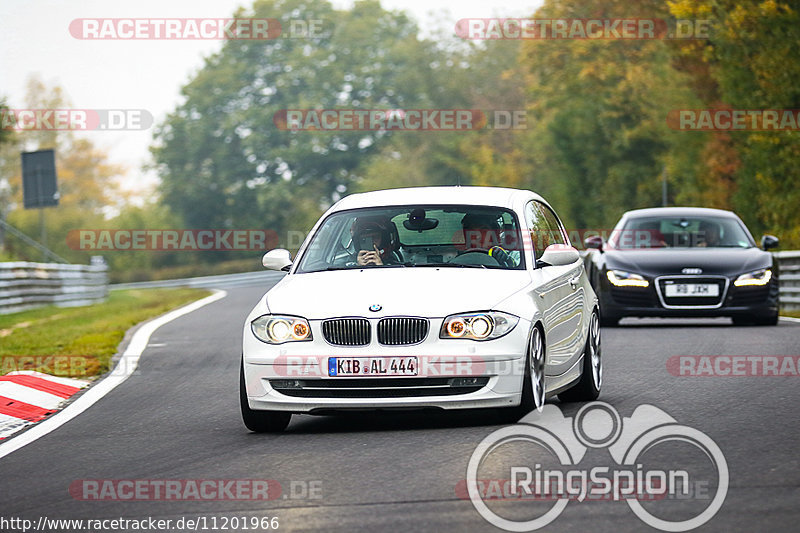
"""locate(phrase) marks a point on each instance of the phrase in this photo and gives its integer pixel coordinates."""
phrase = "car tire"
(260, 421)
(588, 388)
(769, 320)
(610, 321)
(533, 388)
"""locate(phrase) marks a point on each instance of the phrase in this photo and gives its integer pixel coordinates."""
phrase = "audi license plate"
(372, 366)
(677, 290)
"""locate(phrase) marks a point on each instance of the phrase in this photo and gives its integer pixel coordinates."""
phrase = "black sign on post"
(39, 187)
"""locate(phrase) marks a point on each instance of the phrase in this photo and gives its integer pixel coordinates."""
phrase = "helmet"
(375, 224)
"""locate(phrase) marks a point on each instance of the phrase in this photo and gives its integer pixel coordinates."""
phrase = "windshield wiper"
(361, 267)
(450, 265)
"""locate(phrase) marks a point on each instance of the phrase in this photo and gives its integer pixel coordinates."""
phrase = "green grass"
(793, 314)
(80, 341)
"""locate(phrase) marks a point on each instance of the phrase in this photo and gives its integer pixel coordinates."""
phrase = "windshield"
(682, 232)
(416, 236)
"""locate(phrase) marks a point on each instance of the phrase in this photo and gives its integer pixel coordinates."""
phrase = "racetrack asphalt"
(178, 417)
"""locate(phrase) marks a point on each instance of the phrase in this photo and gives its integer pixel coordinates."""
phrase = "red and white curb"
(26, 397)
(125, 367)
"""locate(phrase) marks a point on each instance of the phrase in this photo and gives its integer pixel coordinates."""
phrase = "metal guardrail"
(789, 272)
(788, 265)
(25, 285)
(221, 281)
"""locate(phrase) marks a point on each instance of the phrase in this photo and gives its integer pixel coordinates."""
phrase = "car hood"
(714, 261)
(421, 291)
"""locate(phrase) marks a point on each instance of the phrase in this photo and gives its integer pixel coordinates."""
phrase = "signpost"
(39, 185)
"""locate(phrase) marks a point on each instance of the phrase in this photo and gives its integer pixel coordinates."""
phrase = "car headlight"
(277, 329)
(759, 277)
(477, 326)
(620, 278)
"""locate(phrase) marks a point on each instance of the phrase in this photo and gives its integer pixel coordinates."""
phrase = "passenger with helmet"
(485, 232)
(375, 241)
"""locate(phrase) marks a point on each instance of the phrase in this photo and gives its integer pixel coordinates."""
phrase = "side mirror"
(769, 241)
(277, 259)
(594, 241)
(559, 255)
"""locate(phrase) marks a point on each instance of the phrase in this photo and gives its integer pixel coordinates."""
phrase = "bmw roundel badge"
(375, 308)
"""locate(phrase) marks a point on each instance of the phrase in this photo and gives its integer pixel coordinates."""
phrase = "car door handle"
(574, 282)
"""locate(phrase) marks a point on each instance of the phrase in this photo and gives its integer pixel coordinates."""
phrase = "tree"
(220, 155)
(599, 141)
(87, 182)
(745, 65)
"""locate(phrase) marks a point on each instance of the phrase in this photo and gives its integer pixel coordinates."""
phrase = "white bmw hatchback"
(434, 297)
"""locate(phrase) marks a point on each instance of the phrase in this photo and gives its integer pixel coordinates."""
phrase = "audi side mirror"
(769, 241)
(593, 242)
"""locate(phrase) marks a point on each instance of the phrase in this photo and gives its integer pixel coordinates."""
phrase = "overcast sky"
(143, 74)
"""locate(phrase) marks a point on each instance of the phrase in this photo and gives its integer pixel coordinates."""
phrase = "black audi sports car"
(683, 262)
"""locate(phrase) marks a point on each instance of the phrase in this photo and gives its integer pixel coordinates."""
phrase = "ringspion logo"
(541, 462)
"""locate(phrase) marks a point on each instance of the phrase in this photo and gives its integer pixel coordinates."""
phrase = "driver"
(374, 241)
(480, 231)
(485, 232)
(710, 234)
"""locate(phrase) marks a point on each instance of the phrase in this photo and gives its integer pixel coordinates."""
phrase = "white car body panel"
(558, 297)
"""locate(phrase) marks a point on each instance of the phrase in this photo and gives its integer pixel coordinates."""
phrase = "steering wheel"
(474, 250)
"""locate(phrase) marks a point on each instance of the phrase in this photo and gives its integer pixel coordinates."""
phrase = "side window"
(543, 226)
(556, 235)
(537, 228)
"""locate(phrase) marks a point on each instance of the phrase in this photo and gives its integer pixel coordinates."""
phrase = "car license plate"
(372, 366)
(677, 290)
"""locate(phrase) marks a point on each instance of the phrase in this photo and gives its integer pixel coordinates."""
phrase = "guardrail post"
(789, 273)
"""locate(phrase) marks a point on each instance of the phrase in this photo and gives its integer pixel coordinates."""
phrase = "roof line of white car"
(453, 195)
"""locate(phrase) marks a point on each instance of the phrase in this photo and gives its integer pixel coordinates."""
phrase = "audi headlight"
(477, 326)
(620, 278)
(277, 329)
(759, 277)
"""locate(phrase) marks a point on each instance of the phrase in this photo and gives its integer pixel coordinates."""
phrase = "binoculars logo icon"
(597, 425)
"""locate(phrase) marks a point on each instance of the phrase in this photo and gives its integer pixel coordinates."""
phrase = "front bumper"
(619, 302)
(498, 363)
